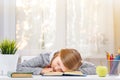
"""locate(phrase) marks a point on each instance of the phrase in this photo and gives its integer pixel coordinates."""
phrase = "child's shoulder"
(87, 64)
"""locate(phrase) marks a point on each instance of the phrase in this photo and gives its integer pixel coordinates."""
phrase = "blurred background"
(90, 26)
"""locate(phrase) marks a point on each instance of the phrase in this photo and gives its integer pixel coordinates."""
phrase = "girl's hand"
(44, 70)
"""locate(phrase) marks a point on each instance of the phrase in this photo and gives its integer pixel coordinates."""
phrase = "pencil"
(108, 60)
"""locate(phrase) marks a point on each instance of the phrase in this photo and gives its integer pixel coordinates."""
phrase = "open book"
(72, 73)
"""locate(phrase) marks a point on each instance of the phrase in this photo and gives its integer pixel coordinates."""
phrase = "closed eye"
(58, 64)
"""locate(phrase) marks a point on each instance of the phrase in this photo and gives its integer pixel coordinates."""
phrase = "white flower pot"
(8, 63)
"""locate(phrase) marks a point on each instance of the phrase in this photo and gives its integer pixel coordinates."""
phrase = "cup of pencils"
(113, 67)
(113, 64)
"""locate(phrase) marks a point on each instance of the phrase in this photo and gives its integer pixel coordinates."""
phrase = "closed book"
(20, 74)
(72, 73)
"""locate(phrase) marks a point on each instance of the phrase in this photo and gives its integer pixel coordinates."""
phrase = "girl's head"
(66, 60)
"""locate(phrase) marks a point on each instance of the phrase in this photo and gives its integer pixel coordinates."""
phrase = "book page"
(70, 73)
(53, 74)
(73, 73)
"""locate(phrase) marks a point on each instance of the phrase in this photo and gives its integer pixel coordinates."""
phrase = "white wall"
(1, 19)
(117, 23)
(7, 19)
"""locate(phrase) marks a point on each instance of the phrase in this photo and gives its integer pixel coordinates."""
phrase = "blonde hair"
(71, 58)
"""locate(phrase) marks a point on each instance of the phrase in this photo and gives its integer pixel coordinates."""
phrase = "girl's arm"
(88, 68)
(34, 65)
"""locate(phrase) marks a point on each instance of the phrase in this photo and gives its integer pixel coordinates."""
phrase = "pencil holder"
(113, 67)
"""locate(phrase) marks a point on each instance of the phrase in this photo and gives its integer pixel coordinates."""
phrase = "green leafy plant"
(8, 47)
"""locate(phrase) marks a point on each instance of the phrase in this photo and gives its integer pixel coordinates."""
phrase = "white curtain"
(35, 19)
(90, 26)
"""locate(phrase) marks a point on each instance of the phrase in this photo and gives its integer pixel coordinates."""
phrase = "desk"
(89, 77)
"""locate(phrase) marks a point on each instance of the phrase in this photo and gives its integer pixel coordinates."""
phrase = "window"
(35, 24)
(90, 26)
(43, 25)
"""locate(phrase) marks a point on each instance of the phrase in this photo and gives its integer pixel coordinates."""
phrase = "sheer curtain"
(90, 26)
(35, 19)
(86, 25)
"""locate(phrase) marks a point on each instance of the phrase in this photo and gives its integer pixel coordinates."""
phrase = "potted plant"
(8, 56)
(8, 47)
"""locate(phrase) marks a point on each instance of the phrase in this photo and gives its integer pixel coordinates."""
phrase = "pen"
(111, 61)
(108, 55)
(108, 60)
(111, 57)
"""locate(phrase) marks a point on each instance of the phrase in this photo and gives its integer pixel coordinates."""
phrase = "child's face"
(57, 65)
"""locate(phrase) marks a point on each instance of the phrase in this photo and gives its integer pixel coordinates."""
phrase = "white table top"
(39, 77)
